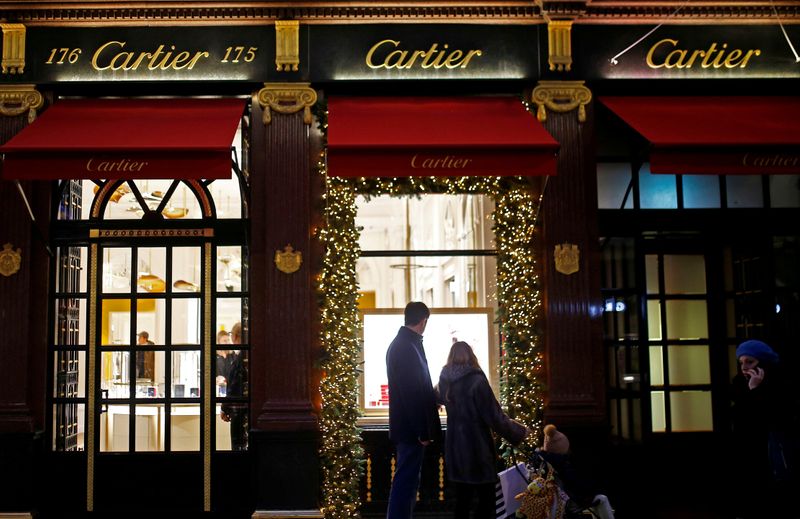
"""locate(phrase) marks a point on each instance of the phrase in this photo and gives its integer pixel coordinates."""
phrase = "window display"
(445, 326)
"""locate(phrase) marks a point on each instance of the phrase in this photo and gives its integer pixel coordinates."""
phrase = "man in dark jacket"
(413, 416)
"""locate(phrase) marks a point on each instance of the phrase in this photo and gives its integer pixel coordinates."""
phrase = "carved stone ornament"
(286, 98)
(13, 48)
(287, 45)
(289, 260)
(561, 97)
(10, 260)
(567, 258)
(17, 99)
(559, 44)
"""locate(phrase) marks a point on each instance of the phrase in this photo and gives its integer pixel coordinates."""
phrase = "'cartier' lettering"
(111, 56)
(123, 165)
(712, 57)
(446, 162)
(771, 160)
(381, 55)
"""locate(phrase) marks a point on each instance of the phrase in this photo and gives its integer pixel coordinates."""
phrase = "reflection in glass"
(656, 191)
(116, 270)
(229, 269)
(151, 270)
(654, 320)
(651, 272)
(186, 321)
(115, 428)
(446, 281)
(687, 319)
(229, 312)
(186, 374)
(150, 374)
(71, 269)
(186, 269)
(115, 374)
(69, 374)
(658, 411)
(149, 428)
(404, 223)
(613, 180)
(701, 191)
(231, 420)
(185, 427)
(691, 411)
(68, 427)
(784, 190)
(689, 365)
(744, 190)
(684, 274)
(656, 366)
(70, 322)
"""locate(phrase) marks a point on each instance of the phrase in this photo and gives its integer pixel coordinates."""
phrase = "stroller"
(548, 497)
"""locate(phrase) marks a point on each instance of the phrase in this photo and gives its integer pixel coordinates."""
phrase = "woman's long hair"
(461, 353)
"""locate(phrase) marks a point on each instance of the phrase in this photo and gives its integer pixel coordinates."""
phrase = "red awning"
(126, 138)
(716, 135)
(408, 136)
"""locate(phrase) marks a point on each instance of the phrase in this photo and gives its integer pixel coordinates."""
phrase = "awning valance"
(412, 136)
(126, 138)
(716, 135)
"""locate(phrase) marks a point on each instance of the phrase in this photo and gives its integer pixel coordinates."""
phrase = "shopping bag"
(511, 482)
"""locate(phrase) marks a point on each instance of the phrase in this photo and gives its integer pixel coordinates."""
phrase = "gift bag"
(511, 482)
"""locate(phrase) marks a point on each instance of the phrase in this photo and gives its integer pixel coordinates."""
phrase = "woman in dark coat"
(472, 414)
(765, 415)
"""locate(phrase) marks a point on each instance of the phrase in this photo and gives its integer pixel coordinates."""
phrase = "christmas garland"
(341, 452)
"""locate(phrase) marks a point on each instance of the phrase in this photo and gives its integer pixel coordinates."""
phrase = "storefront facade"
(576, 186)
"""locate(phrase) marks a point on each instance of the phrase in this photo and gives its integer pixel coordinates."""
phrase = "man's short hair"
(415, 312)
(144, 334)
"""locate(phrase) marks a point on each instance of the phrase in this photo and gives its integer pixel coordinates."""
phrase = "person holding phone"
(765, 423)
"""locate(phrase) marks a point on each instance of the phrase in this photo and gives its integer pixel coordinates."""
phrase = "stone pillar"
(283, 315)
(24, 307)
(575, 360)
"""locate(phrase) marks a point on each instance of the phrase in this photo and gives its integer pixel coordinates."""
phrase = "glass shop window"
(438, 249)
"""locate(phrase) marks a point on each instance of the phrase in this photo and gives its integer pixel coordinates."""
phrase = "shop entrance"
(150, 344)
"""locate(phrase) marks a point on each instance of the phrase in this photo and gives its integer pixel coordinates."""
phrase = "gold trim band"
(151, 233)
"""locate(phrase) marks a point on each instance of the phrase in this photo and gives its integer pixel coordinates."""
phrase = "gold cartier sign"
(112, 56)
(388, 54)
(715, 56)
(123, 165)
(446, 162)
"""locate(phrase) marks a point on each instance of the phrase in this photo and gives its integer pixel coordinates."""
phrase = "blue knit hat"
(758, 350)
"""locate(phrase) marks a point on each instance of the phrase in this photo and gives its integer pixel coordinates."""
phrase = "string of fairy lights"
(519, 302)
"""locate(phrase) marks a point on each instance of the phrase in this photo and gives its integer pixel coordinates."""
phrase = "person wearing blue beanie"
(763, 421)
(759, 350)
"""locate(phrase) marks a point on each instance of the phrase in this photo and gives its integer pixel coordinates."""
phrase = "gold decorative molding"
(286, 98)
(567, 258)
(287, 45)
(13, 48)
(151, 233)
(286, 514)
(10, 260)
(561, 97)
(289, 260)
(17, 99)
(559, 44)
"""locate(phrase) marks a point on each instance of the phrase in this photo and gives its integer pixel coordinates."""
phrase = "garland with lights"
(341, 452)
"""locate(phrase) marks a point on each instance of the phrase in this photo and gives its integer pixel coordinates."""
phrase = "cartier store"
(211, 219)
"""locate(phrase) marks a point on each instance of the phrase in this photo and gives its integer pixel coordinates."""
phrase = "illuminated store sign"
(684, 52)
